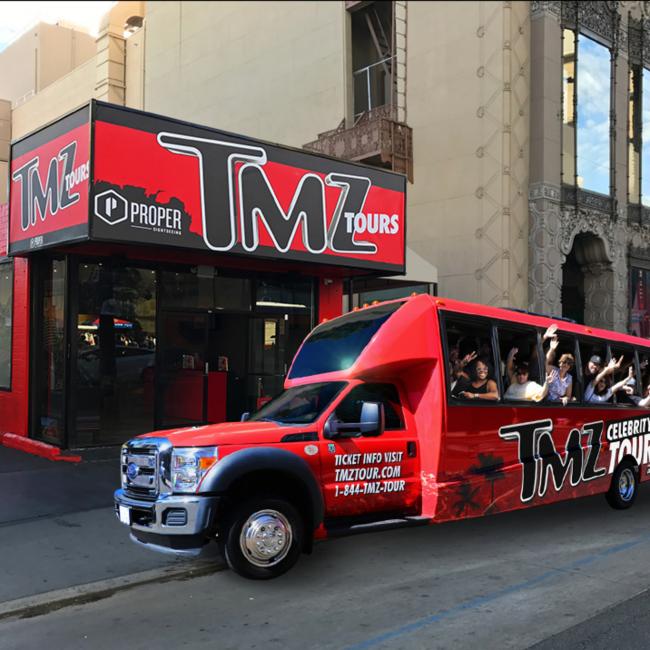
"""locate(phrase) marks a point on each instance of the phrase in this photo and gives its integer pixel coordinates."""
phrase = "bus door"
(365, 475)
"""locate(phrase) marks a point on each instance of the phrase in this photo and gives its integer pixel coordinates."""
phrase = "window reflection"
(634, 134)
(50, 424)
(6, 302)
(645, 150)
(568, 112)
(640, 311)
(594, 97)
(116, 344)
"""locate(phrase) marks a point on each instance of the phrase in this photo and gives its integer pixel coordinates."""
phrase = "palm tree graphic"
(465, 494)
(491, 469)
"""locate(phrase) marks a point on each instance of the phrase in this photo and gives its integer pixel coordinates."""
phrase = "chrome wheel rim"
(626, 484)
(266, 538)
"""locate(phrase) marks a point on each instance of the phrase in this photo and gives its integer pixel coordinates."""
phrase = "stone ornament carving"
(569, 15)
(645, 40)
(635, 40)
(584, 220)
(553, 230)
(599, 17)
(540, 8)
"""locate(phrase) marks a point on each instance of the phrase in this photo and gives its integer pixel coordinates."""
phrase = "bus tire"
(624, 487)
(264, 538)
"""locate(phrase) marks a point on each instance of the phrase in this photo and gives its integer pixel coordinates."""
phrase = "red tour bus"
(412, 411)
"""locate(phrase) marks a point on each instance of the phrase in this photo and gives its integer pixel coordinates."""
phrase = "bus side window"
(469, 350)
(520, 367)
(643, 385)
(349, 410)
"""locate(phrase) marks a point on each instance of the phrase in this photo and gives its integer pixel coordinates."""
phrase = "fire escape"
(378, 134)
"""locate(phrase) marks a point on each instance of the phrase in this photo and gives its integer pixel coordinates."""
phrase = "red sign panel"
(50, 172)
(162, 182)
(158, 181)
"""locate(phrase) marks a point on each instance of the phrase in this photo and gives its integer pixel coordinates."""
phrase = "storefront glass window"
(640, 304)
(50, 358)
(116, 345)
(6, 313)
(202, 288)
(226, 345)
(284, 318)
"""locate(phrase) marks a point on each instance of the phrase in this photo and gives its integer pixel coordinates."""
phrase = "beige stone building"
(519, 124)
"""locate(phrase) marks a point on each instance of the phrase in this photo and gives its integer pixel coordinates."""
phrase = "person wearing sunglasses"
(561, 385)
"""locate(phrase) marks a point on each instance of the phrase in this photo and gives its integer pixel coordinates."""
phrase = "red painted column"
(330, 298)
(14, 402)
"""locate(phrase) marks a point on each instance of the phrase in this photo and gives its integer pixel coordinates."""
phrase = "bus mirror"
(371, 423)
(372, 419)
(245, 416)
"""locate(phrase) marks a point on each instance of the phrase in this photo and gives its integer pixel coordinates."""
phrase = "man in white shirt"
(522, 388)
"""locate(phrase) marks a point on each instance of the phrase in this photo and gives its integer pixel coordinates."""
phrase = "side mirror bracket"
(371, 424)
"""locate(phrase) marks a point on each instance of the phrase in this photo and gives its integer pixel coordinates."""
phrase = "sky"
(593, 115)
(17, 17)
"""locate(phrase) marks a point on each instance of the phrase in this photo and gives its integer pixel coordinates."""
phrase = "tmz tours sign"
(49, 188)
(167, 183)
(111, 174)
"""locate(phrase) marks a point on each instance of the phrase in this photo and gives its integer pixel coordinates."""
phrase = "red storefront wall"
(14, 402)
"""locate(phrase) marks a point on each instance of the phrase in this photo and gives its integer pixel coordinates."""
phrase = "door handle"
(411, 449)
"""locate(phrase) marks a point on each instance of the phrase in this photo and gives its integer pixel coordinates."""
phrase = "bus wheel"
(264, 538)
(624, 487)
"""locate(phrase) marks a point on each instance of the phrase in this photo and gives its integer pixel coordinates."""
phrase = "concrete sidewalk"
(58, 529)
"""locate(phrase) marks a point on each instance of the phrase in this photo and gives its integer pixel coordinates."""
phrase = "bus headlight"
(189, 466)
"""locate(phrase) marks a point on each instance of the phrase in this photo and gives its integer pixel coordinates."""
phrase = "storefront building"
(164, 274)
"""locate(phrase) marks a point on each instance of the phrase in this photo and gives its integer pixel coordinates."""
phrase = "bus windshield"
(299, 405)
(336, 345)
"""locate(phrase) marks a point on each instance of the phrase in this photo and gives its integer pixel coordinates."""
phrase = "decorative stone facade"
(559, 214)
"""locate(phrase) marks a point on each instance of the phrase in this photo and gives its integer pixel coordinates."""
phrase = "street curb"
(36, 447)
(53, 600)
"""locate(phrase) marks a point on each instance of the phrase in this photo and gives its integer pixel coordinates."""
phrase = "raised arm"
(624, 383)
(510, 364)
(550, 355)
(544, 392)
(550, 332)
(463, 363)
(608, 370)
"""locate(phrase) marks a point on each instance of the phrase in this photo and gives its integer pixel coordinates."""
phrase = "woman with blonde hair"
(561, 385)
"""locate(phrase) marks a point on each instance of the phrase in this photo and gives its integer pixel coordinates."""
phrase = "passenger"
(534, 368)
(522, 388)
(561, 386)
(598, 391)
(458, 365)
(644, 402)
(593, 367)
(480, 385)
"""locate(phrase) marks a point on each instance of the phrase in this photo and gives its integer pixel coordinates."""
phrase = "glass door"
(113, 353)
(183, 371)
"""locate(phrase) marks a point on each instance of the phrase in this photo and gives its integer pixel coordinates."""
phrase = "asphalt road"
(563, 576)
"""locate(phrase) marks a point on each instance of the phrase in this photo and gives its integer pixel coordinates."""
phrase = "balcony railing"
(373, 86)
(376, 138)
